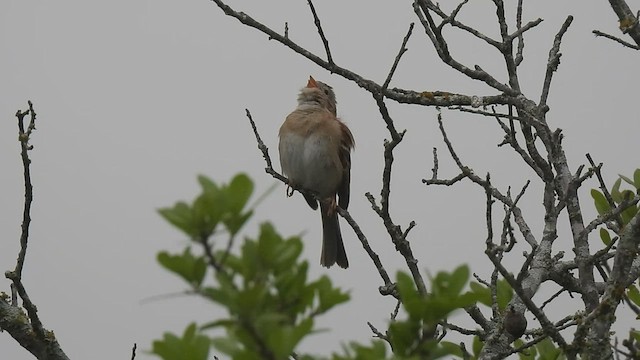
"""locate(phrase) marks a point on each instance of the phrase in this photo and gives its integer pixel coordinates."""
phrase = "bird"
(315, 154)
(514, 323)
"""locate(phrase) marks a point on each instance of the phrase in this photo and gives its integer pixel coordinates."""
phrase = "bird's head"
(319, 93)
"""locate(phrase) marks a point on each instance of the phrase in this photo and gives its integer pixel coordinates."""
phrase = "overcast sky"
(135, 98)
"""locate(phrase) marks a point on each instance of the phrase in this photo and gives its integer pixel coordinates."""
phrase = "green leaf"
(251, 301)
(329, 296)
(602, 206)
(217, 324)
(411, 299)
(239, 191)
(627, 180)
(483, 292)
(505, 294)
(236, 222)
(207, 184)
(629, 212)
(192, 346)
(615, 191)
(283, 339)
(268, 244)
(633, 294)
(207, 213)
(437, 307)
(547, 350)
(529, 354)
(445, 348)
(403, 334)
(458, 280)
(181, 217)
(477, 345)
(288, 254)
(636, 179)
(191, 268)
(377, 350)
(605, 236)
(227, 346)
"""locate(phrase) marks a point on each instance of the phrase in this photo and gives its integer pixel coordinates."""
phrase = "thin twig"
(377, 333)
(616, 39)
(520, 50)
(403, 49)
(365, 244)
(422, 10)
(603, 186)
(325, 42)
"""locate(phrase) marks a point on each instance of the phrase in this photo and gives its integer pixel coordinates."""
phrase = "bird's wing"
(346, 144)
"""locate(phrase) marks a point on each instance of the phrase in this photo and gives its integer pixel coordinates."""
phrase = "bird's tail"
(332, 246)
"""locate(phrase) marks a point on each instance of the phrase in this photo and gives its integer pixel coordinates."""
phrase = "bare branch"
(400, 95)
(616, 39)
(265, 151)
(421, 8)
(325, 42)
(603, 186)
(627, 20)
(395, 232)
(403, 49)
(27, 330)
(365, 244)
(520, 50)
(554, 61)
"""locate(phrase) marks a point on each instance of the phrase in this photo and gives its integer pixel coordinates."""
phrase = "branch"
(616, 39)
(628, 21)
(398, 238)
(325, 42)
(24, 135)
(265, 151)
(365, 244)
(27, 330)
(403, 49)
(554, 61)
(421, 9)
(519, 57)
(400, 95)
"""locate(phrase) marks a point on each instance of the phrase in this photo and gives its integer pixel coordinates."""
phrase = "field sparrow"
(315, 155)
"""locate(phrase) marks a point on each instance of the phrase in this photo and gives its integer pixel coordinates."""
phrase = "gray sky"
(135, 98)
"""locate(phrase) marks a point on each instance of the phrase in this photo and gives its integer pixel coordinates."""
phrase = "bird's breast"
(311, 161)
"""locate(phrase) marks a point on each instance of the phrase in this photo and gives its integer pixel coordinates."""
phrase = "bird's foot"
(290, 190)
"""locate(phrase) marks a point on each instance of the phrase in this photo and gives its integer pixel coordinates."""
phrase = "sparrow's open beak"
(312, 83)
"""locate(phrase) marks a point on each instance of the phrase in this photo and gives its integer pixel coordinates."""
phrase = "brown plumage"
(315, 154)
(515, 324)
